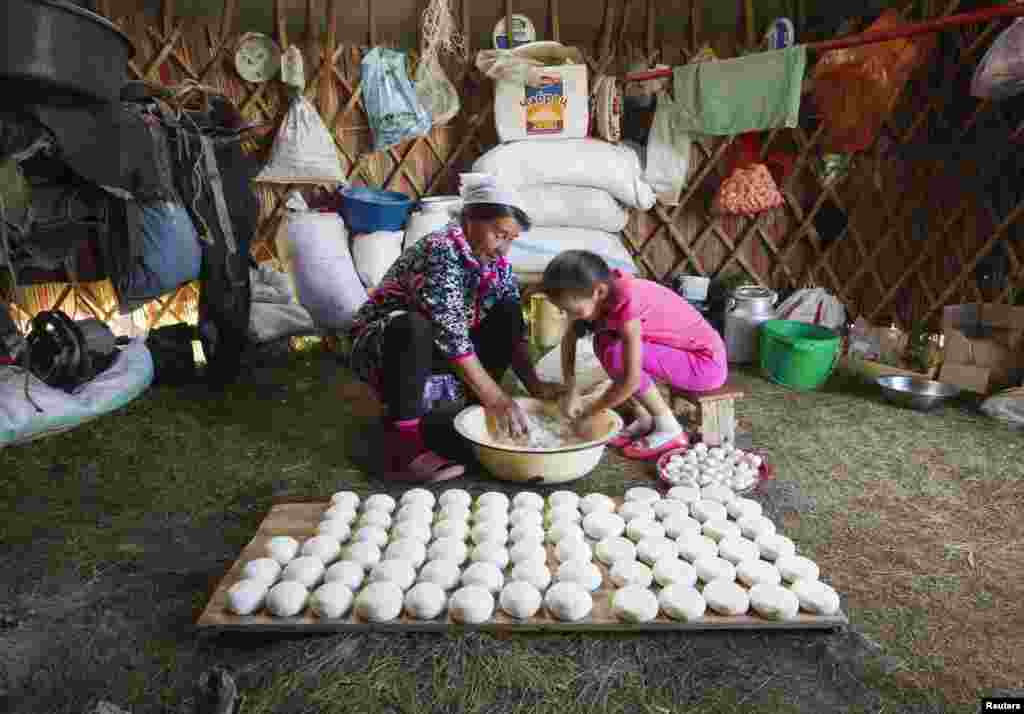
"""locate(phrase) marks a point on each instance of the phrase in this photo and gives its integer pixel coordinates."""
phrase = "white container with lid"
(431, 214)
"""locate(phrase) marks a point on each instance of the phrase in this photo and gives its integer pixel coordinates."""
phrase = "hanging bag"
(304, 151)
(1000, 74)
(392, 106)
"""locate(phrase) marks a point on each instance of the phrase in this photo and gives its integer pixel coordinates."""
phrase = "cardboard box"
(984, 346)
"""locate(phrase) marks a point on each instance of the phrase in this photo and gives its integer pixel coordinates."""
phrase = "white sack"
(129, 376)
(575, 206)
(314, 247)
(572, 162)
(275, 311)
(374, 253)
(533, 250)
(814, 306)
(304, 150)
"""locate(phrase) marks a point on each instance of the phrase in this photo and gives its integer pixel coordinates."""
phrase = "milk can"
(431, 214)
(748, 307)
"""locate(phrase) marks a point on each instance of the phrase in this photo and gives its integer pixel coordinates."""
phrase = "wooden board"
(299, 520)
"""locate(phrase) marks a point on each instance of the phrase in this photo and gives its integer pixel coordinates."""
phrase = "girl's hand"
(548, 391)
(572, 405)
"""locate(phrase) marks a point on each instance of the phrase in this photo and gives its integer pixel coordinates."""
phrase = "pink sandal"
(428, 467)
(638, 452)
(620, 441)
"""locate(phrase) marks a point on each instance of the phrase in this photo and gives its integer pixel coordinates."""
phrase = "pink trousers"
(689, 371)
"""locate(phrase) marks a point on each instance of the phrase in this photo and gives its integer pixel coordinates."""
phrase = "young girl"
(642, 332)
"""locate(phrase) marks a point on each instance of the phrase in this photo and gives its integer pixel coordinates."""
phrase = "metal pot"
(749, 306)
(58, 53)
(431, 214)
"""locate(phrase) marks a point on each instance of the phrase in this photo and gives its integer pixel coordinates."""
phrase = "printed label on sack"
(545, 106)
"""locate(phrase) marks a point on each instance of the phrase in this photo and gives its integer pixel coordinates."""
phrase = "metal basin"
(916, 392)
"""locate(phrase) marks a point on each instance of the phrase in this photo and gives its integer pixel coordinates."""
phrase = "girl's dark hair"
(575, 274)
(496, 211)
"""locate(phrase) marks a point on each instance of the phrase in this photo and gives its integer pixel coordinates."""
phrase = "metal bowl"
(916, 392)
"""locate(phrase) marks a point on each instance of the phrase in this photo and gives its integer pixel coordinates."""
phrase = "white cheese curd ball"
(529, 500)
(326, 548)
(673, 571)
(636, 509)
(558, 532)
(266, 569)
(693, 547)
(349, 500)
(471, 605)
(686, 494)
(455, 496)
(775, 546)
(740, 508)
(491, 552)
(305, 569)
(485, 575)
(381, 601)
(347, 572)
(489, 531)
(406, 549)
(726, 597)
(451, 529)
(635, 603)
(736, 548)
(445, 573)
(533, 572)
(721, 494)
(816, 597)
(365, 553)
(525, 516)
(425, 601)
(642, 494)
(563, 498)
(774, 602)
(527, 550)
(596, 503)
(797, 567)
(415, 513)
(336, 529)
(664, 510)
(757, 572)
(679, 526)
(449, 549)
(710, 568)
(631, 572)
(602, 524)
(682, 603)
(526, 532)
(338, 512)
(371, 534)
(568, 602)
(569, 549)
(639, 529)
(376, 518)
(754, 527)
(454, 512)
(585, 574)
(520, 600)
(331, 600)
(493, 499)
(651, 550)
(287, 598)
(412, 531)
(705, 511)
(560, 514)
(494, 516)
(418, 496)
(247, 596)
(613, 549)
(380, 502)
(282, 549)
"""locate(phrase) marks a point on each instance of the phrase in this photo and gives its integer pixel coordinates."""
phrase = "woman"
(450, 302)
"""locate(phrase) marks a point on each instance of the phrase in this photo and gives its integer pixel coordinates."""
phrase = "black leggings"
(410, 356)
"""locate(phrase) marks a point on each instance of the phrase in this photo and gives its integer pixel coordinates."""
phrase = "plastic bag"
(436, 92)
(856, 88)
(392, 106)
(815, 306)
(523, 64)
(1000, 74)
(304, 151)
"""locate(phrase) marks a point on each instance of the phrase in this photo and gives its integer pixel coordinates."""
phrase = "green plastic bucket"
(798, 355)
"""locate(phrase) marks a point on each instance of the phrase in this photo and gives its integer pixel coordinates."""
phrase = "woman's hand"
(571, 405)
(548, 391)
(509, 417)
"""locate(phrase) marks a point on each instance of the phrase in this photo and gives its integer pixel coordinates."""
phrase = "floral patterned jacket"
(441, 279)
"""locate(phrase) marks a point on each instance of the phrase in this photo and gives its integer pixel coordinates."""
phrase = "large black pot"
(59, 53)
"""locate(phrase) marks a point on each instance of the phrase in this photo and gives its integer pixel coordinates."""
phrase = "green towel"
(753, 93)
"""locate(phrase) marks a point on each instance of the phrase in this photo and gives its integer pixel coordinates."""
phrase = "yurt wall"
(902, 229)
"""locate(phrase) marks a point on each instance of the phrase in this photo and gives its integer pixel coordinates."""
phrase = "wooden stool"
(714, 412)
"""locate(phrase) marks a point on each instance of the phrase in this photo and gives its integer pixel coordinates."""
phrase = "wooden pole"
(694, 25)
(465, 29)
(372, 20)
(605, 43)
(328, 87)
(281, 24)
(748, 12)
(167, 16)
(226, 20)
(556, 23)
(649, 41)
(312, 51)
(508, 23)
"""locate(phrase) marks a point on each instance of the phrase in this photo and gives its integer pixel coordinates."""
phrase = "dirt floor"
(114, 535)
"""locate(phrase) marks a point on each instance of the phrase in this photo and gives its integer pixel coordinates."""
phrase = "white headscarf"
(484, 188)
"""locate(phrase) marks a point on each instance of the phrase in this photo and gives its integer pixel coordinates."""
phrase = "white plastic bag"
(1000, 74)
(575, 206)
(275, 311)
(392, 106)
(304, 151)
(668, 154)
(814, 306)
(374, 253)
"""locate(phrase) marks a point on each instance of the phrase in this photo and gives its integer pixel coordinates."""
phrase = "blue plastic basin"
(367, 210)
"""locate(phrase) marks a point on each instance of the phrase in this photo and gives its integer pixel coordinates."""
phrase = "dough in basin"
(425, 601)
(634, 603)
(726, 597)
(520, 600)
(682, 603)
(287, 598)
(471, 605)
(247, 596)
(380, 602)
(331, 600)
(568, 602)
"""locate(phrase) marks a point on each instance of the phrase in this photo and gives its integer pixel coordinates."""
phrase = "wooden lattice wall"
(877, 266)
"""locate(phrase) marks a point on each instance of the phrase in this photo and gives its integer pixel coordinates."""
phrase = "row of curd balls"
(703, 548)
